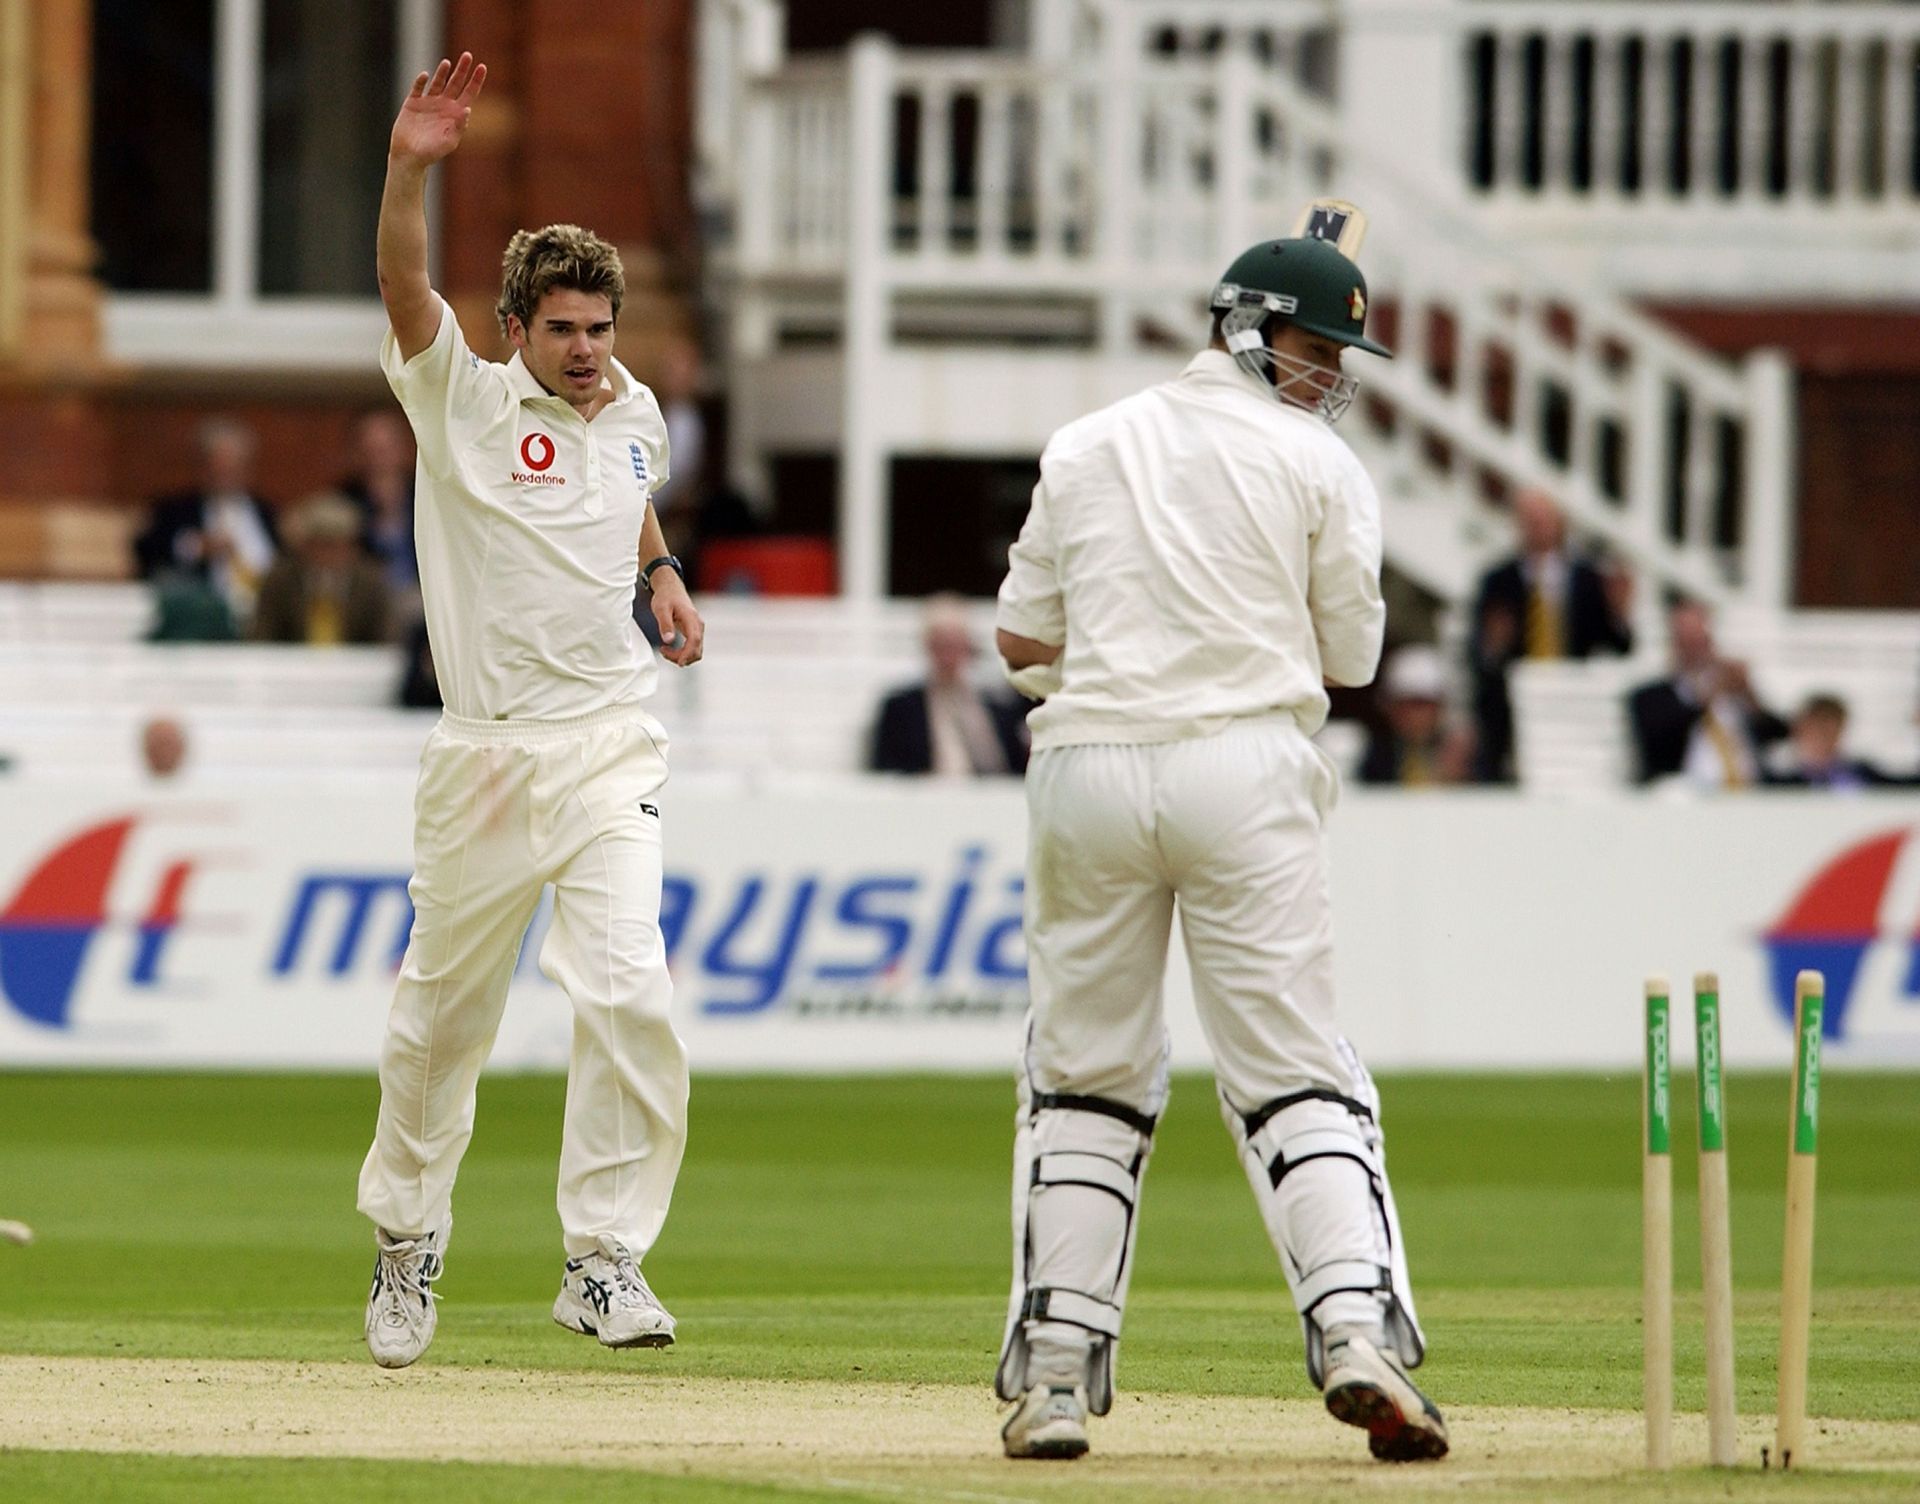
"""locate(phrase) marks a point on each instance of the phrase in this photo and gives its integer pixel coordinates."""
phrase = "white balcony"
(955, 253)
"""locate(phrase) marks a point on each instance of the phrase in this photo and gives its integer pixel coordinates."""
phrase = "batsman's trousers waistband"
(524, 733)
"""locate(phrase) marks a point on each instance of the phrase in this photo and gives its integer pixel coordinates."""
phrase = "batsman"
(1199, 562)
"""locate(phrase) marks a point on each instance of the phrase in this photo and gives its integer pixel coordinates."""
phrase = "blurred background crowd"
(1646, 456)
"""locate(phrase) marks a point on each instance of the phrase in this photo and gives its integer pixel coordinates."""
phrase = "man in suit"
(947, 726)
(218, 534)
(1545, 602)
(1703, 721)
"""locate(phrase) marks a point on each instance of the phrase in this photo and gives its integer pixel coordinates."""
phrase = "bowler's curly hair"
(537, 261)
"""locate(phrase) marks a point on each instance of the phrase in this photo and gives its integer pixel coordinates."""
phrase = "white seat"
(36, 612)
(197, 674)
(221, 740)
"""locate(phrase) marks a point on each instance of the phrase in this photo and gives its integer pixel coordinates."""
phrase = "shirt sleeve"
(662, 449)
(1030, 601)
(1343, 588)
(448, 392)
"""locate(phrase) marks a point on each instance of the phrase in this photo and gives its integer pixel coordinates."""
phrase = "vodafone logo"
(537, 453)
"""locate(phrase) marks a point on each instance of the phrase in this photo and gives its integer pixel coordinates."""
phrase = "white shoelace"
(409, 1268)
(629, 1282)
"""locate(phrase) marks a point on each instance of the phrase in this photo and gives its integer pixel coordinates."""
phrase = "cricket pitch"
(851, 1439)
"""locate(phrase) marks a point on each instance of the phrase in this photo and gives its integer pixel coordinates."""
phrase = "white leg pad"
(1314, 1162)
(1078, 1163)
(1410, 1342)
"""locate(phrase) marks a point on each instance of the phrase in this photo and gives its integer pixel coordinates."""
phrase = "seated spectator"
(189, 610)
(1815, 760)
(218, 534)
(325, 591)
(1702, 721)
(1545, 602)
(948, 726)
(381, 486)
(1416, 748)
(163, 746)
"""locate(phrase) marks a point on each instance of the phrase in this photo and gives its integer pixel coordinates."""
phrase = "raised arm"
(432, 120)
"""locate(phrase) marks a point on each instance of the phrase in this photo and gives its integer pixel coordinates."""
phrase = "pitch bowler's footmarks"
(930, 1439)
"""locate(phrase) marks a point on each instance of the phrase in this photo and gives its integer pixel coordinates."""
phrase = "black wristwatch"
(646, 575)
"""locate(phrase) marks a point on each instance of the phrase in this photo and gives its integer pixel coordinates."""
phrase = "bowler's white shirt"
(1203, 552)
(527, 522)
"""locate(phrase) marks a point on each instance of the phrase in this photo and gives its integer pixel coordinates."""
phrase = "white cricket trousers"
(502, 808)
(1230, 826)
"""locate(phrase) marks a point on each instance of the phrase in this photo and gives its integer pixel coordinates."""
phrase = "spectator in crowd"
(1416, 748)
(219, 534)
(325, 591)
(1545, 602)
(947, 726)
(381, 487)
(163, 746)
(1703, 720)
(190, 610)
(1816, 760)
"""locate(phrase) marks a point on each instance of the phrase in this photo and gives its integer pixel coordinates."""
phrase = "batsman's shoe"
(1049, 1421)
(400, 1306)
(605, 1296)
(1367, 1388)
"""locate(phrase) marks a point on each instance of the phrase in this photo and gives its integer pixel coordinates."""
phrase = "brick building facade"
(589, 123)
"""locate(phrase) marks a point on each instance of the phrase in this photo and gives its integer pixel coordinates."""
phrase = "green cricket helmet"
(1307, 282)
(1312, 285)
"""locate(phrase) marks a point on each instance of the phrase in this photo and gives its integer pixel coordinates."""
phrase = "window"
(239, 149)
(153, 144)
(328, 91)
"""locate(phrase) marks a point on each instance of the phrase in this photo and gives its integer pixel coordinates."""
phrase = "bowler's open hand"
(434, 115)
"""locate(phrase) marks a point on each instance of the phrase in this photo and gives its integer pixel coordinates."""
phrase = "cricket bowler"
(535, 527)
(1199, 562)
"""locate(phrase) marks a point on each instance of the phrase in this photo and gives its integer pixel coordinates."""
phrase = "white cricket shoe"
(605, 1296)
(1049, 1421)
(1366, 1387)
(400, 1306)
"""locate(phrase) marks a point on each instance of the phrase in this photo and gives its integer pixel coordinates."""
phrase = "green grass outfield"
(855, 1231)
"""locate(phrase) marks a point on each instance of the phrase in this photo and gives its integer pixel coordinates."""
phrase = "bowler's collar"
(527, 388)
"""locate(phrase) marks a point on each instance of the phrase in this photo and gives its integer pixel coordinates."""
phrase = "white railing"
(1715, 106)
(734, 41)
(1294, 39)
(794, 196)
(1506, 368)
(1122, 191)
(989, 168)
(1665, 148)
(1674, 148)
